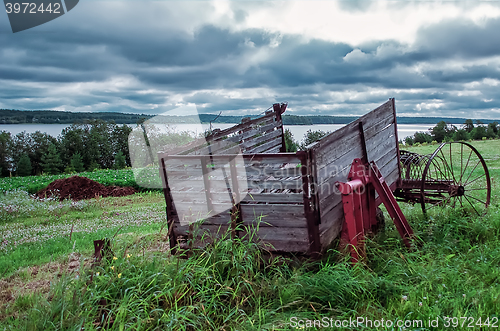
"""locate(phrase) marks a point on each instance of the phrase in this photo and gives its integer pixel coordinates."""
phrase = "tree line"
(95, 144)
(445, 132)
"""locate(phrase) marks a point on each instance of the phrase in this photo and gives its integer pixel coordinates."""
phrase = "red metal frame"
(358, 198)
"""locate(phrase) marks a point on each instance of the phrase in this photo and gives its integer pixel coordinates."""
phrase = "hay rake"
(454, 174)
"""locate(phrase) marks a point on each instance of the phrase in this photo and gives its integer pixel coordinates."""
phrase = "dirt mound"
(79, 188)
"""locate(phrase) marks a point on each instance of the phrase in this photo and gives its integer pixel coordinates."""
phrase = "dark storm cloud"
(460, 39)
(143, 66)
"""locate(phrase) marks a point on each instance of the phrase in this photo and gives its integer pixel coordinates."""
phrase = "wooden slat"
(269, 234)
(331, 225)
(197, 185)
(285, 240)
(274, 197)
(276, 184)
(277, 172)
(380, 114)
(286, 221)
(201, 209)
(264, 147)
(261, 121)
(382, 160)
(269, 136)
(274, 213)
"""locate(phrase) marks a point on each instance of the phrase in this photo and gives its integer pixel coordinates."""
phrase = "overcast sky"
(323, 57)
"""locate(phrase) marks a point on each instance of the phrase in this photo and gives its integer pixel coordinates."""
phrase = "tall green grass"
(454, 271)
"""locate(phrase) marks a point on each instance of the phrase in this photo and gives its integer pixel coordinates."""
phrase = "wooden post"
(312, 222)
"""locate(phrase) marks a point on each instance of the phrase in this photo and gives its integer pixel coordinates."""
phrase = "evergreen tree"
(24, 166)
(77, 163)
(120, 161)
(291, 145)
(5, 153)
(51, 162)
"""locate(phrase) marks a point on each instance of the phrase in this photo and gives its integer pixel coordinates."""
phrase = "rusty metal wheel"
(456, 175)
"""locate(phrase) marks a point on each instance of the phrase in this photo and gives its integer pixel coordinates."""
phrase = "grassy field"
(33, 184)
(451, 280)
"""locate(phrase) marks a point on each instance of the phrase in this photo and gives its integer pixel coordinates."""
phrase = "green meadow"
(47, 282)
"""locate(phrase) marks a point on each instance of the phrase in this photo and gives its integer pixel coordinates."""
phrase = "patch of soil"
(79, 188)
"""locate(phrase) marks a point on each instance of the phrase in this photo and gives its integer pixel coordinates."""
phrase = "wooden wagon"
(242, 176)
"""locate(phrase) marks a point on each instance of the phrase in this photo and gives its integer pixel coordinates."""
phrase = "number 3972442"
(32, 8)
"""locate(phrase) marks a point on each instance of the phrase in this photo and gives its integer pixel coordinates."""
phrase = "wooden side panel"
(260, 135)
(333, 156)
(271, 209)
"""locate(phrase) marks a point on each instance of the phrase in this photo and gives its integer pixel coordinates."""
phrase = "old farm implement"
(241, 178)
(454, 174)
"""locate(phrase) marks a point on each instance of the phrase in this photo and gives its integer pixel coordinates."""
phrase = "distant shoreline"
(58, 117)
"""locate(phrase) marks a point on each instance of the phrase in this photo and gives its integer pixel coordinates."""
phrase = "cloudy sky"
(323, 57)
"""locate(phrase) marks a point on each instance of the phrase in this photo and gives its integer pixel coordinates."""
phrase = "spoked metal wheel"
(456, 175)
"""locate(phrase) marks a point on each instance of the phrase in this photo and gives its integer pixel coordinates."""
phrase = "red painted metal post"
(358, 199)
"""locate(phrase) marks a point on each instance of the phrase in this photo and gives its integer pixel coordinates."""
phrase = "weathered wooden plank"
(286, 221)
(231, 136)
(341, 156)
(378, 115)
(341, 165)
(277, 172)
(350, 145)
(218, 147)
(270, 234)
(264, 147)
(274, 198)
(389, 167)
(198, 185)
(201, 209)
(380, 147)
(276, 149)
(247, 144)
(276, 184)
(382, 160)
(333, 226)
(274, 214)
(261, 121)
(285, 246)
(387, 135)
(387, 121)
(330, 198)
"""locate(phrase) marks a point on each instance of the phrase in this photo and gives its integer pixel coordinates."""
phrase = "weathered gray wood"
(197, 185)
(286, 240)
(277, 172)
(228, 141)
(380, 114)
(261, 121)
(201, 208)
(276, 184)
(274, 198)
(331, 225)
(262, 148)
(251, 143)
(286, 221)
(269, 234)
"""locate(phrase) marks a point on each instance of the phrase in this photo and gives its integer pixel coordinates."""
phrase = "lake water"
(298, 131)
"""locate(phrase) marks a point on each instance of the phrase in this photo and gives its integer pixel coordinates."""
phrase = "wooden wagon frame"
(290, 198)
